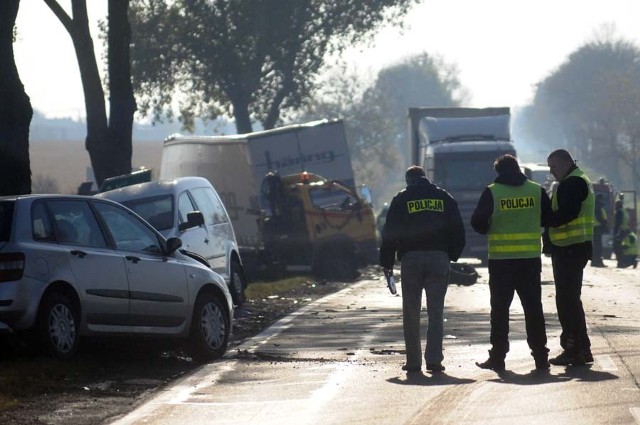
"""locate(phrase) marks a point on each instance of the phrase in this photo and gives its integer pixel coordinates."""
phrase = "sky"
(501, 48)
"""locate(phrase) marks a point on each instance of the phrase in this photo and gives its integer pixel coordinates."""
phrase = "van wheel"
(57, 325)
(210, 329)
(238, 284)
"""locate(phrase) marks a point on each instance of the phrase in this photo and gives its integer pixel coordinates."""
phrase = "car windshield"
(157, 211)
(6, 218)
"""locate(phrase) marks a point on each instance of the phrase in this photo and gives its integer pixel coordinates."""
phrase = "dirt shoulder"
(109, 378)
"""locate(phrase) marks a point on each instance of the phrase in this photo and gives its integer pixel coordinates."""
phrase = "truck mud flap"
(462, 274)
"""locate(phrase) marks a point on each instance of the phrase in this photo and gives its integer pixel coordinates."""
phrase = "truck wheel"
(57, 326)
(210, 329)
(338, 264)
(238, 284)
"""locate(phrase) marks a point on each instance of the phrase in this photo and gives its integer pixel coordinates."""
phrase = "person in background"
(570, 234)
(424, 228)
(629, 251)
(511, 211)
(599, 228)
(620, 230)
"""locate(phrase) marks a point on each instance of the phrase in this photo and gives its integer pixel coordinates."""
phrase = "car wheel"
(238, 284)
(210, 328)
(57, 326)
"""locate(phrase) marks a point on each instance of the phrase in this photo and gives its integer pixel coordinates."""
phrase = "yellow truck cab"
(317, 225)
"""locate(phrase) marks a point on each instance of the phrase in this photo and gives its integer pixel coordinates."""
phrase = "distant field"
(67, 161)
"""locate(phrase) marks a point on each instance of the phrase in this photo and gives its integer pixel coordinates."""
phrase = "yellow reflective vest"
(579, 229)
(514, 231)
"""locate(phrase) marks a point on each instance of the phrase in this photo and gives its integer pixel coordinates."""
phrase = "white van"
(189, 208)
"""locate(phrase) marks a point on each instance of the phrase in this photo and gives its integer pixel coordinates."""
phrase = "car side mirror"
(194, 219)
(173, 244)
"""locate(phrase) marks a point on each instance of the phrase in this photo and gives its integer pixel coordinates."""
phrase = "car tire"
(238, 284)
(58, 325)
(210, 328)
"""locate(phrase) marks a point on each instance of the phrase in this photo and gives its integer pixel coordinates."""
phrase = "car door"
(158, 290)
(100, 273)
(194, 239)
(217, 223)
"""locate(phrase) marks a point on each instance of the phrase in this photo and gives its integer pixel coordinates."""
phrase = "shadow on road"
(436, 379)
(536, 377)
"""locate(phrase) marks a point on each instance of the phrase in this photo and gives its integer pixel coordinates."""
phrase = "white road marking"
(605, 362)
(635, 411)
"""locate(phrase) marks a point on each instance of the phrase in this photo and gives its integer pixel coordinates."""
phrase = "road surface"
(338, 361)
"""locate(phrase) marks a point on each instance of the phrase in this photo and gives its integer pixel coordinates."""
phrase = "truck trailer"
(457, 148)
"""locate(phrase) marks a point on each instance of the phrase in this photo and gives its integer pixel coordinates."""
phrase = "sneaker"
(411, 368)
(566, 359)
(492, 363)
(435, 367)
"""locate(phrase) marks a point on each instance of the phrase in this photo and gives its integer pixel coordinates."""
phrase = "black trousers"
(567, 274)
(521, 276)
(596, 258)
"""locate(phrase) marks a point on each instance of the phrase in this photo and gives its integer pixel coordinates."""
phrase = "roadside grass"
(260, 290)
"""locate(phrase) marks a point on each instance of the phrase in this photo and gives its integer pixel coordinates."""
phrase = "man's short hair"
(414, 174)
(563, 155)
(506, 164)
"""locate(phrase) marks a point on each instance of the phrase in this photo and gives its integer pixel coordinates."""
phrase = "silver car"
(73, 266)
(189, 208)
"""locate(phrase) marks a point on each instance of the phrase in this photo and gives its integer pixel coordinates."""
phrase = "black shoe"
(588, 357)
(566, 359)
(542, 363)
(411, 369)
(492, 363)
(435, 367)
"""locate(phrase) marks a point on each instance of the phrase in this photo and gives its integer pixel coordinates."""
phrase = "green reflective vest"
(514, 231)
(630, 245)
(579, 229)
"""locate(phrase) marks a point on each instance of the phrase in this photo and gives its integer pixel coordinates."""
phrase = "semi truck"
(290, 193)
(457, 147)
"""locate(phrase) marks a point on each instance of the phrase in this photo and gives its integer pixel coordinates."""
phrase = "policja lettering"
(425, 205)
(516, 203)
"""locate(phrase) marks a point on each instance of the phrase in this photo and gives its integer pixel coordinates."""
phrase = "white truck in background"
(236, 165)
(457, 148)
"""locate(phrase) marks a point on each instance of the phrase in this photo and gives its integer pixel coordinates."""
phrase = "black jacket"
(424, 229)
(571, 192)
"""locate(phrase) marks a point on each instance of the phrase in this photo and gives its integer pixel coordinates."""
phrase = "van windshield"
(157, 210)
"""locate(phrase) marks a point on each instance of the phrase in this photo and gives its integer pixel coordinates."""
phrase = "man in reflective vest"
(629, 251)
(571, 235)
(620, 230)
(424, 228)
(511, 211)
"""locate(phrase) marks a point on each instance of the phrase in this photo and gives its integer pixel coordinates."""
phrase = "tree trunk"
(15, 111)
(241, 114)
(122, 104)
(97, 141)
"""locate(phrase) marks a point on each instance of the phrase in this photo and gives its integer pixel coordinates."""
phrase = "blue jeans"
(426, 271)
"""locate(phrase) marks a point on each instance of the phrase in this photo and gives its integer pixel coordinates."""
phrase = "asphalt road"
(338, 360)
